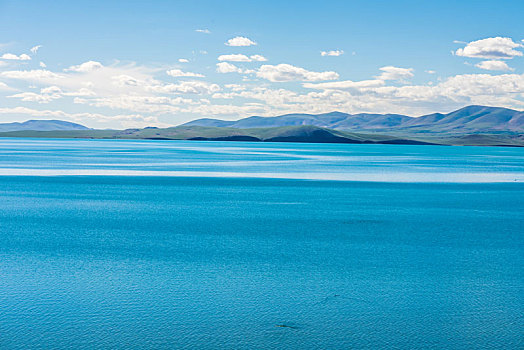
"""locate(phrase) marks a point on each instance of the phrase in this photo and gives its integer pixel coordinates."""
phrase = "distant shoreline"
(317, 136)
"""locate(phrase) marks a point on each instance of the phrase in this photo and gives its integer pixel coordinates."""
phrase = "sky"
(131, 64)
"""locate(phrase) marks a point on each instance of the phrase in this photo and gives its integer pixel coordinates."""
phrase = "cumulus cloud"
(42, 64)
(234, 58)
(124, 87)
(187, 87)
(80, 92)
(108, 82)
(31, 75)
(258, 58)
(34, 97)
(10, 56)
(205, 31)
(85, 67)
(395, 73)
(51, 90)
(124, 80)
(225, 67)
(491, 48)
(345, 85)
(240, 41)
(236, 87)
(35, 49)
(332, 53)
(179, 73)
(241, 58)
(494, 65)
(4, 86)
(141, 104)
(183, 60)
(286, 72)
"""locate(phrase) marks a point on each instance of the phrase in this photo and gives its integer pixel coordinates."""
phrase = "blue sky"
(133, 64)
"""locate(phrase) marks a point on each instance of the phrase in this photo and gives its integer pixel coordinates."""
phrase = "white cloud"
(34, 97)
(241, 58)
(491, 48)
(395, 73)
(236, 87)
(124, 87)
(187, 87)
(125, 80)
(345, 85)
(240, 41)
(183, 60)
(224, 67)
(35, 49)
(258, 58)
(286, 72)
(234, 58)
(179, 73)
(141, 104)
(51, 90)
(332, 53)
(49, 94)
(80, 92)
(220, 109)
(205, 31)
(10, 56)
(42, 64)
(85, 67)
(3, 86)
(430, 72)
(31, 75)
(494, 65)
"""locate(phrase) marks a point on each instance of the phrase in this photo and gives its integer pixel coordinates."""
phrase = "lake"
(117, 244)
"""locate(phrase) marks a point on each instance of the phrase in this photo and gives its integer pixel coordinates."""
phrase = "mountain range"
(41, 125)
(471, 119)
(473, 125)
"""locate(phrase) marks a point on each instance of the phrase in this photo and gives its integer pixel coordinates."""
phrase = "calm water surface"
(160, 244)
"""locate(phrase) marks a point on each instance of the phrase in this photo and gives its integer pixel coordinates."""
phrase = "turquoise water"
(161, 244)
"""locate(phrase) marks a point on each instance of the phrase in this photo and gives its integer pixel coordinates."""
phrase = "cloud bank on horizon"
(239, 75)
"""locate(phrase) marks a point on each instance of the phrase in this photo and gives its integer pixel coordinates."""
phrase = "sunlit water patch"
(378, 163)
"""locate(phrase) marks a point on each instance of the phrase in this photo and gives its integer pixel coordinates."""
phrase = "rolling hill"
(473, 125)
(41, 125)
(471, 119)
(305, 133)
(301, 133)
